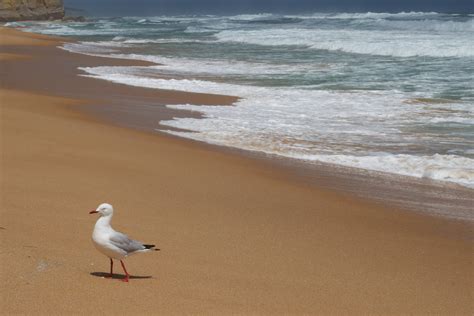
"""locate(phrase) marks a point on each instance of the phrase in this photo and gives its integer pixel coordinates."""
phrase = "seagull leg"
(126, 273)
(111, 268)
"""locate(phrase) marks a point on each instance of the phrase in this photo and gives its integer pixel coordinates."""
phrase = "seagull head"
(104, 209)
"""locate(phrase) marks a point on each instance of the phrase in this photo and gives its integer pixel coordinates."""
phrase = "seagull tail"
(150, 247)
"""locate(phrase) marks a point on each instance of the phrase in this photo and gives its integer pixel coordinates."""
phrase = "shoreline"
(239, 234)
(143, 108)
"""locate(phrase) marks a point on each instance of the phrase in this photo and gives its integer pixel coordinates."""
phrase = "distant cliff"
(18, 10)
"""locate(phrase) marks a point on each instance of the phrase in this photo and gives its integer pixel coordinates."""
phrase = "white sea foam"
(95, 49)
(428, 26)
(379, 15)
(251, 17)
(160, 41)
(184, 18)
(92, 50)
(341, 16)
(385, 43)
(437, 167)
(68, 30)
(13, 24)
(194, 65)
(225, 67)
(386, 130)
(279, 121)
(404, 34)
(451, 168)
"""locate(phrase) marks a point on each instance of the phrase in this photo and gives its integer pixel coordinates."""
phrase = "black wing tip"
(150, 247)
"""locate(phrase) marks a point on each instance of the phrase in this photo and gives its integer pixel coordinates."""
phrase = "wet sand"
(238, 235)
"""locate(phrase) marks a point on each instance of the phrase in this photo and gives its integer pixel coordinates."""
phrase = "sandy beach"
(238, 235)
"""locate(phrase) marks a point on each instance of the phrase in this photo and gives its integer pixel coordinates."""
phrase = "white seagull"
(114, 244)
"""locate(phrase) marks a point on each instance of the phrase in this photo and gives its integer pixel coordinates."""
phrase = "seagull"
(114, 244)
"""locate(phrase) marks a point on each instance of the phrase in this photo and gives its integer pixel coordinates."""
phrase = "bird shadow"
(119, 276)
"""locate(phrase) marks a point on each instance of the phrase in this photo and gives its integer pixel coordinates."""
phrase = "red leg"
(126, 273)
(111, 268)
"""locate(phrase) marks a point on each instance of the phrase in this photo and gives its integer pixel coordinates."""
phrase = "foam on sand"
(277, 121)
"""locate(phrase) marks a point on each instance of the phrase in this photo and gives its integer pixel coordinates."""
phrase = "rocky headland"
(20, 10)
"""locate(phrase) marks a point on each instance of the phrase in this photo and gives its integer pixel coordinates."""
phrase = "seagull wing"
(122, 241)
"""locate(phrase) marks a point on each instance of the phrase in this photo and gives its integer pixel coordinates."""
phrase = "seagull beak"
(93, 212)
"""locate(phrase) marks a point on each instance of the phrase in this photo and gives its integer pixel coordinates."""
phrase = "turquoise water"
(378, 91)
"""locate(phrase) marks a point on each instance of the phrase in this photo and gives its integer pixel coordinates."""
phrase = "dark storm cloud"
(157, 7)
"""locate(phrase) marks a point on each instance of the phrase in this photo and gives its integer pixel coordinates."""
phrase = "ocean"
(384, 92)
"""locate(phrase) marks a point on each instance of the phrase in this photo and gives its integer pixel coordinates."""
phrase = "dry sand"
(237, 235)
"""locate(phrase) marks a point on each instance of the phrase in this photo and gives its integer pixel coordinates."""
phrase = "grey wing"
(123, 242)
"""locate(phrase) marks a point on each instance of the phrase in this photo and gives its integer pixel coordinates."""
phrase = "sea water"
(378, 91)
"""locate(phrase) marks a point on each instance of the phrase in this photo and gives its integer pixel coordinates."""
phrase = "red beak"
(93, 212)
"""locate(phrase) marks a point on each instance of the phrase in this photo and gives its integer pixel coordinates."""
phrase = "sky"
(163, 7)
